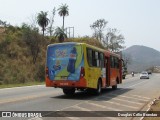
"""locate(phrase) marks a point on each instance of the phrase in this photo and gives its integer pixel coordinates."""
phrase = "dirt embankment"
(155, 107)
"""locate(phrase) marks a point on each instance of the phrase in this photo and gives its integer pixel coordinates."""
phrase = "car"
(150, 72)
(144, 75)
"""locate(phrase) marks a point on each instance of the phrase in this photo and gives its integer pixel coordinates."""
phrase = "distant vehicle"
(149, 72)
(79, 66)
(132, 74)
(144, 75)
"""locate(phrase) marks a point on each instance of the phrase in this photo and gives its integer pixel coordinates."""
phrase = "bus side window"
(96, 55)
(97, 59)
(112, 61)
(89, 57)
(94, 60)
(117, 63)
(101, 57)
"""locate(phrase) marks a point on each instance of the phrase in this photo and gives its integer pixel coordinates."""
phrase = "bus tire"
(99, 88)
(68, 91)
(114, 87)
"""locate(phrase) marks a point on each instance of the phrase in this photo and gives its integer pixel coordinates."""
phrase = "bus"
(78, 66)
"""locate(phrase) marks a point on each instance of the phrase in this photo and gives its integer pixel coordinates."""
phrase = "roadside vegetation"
(23, 52)
(23, 48)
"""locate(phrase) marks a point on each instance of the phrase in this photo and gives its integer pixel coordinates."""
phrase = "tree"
(50, 28)
(127, 59)
(33, 40)
(98, 27)
(3, 23)
(63, 11)
(59, 33)
(114, 41)
(42, 20)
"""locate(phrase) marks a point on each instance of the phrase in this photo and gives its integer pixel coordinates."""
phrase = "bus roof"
(106, 52)
(64, 43)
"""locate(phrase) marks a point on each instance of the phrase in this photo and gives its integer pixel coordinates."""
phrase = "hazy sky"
(137, 20)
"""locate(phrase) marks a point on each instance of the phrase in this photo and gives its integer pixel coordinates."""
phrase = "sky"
(137, 20)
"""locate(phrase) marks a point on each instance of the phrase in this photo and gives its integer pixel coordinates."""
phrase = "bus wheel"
(114, 87)
(68, 91)
(99, 87)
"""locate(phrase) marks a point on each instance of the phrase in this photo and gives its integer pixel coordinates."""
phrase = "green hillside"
(23, 52)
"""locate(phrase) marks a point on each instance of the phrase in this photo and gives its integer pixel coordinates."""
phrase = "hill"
(23, 54)
(142, 58)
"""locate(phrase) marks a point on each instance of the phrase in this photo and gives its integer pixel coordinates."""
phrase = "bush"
(23, 54)
(16, 58)
(87, 40)
(40, 73)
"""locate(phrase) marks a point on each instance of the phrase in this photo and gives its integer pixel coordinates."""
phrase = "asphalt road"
(133, 95)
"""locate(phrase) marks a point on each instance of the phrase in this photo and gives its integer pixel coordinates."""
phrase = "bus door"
(107, 61)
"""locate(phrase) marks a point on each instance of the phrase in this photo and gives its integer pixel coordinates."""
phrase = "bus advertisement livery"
(79, 66)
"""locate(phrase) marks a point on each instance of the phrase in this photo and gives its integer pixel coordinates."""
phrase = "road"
(133, 95)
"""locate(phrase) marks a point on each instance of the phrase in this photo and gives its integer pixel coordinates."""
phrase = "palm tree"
(63, 11)
(59, 33)
(42, 20)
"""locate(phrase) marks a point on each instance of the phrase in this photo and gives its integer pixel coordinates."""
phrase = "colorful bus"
(78, 66)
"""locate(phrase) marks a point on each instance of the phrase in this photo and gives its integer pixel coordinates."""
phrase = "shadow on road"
(87, 95)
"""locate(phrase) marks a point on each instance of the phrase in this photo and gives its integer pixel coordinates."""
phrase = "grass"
(21, 85)
(154, 107)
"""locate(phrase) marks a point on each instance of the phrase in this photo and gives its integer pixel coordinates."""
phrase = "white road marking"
(71, 106)
(71, 118)
(99, 97)
(94, 104)
(112, 118)
(22, 87)
(115, 103)
(62, 115)
(145, 112)
(36, 118)
(67, 116)
(124, 100)
(142, 97)
(21, 98)
(133, 85)
(74, 118)
(130, 97)
(85, 109)
(81, 108)
(128, 87)
(109, 108)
